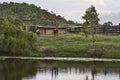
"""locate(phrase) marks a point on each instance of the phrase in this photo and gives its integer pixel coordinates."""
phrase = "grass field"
(77, 45)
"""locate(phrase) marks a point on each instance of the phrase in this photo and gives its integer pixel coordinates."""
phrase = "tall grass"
(77, 45)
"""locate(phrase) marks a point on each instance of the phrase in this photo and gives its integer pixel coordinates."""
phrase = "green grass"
(77, 45)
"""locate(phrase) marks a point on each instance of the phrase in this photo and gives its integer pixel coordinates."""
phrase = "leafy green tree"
(107, 24)
(91, 17)
(91, 20)
(14, 40)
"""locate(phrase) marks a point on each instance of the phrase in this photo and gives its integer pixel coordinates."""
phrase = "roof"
(51, 27)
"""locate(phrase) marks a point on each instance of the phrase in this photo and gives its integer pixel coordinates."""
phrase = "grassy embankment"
(77, 45)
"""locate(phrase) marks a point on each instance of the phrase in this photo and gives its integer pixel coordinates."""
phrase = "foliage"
(31, 12)
(107, 24)
(13, 40)
(91, 17)
(70, 30)
(91, 20)
(74, 31)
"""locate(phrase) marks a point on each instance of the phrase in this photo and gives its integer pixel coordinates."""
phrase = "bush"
(47, 49)
(14, 40)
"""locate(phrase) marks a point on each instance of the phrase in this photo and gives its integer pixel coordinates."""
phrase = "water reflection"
(58, 70)
(16, 69)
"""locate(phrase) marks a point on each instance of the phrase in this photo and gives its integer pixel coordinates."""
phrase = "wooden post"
(119, 28)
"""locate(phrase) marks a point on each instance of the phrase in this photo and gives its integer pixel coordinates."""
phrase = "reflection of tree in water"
(19, 69)
(95, 68)
(86, 77)
(54, 72)
(16, 69)
(105, 68)
(94, 71)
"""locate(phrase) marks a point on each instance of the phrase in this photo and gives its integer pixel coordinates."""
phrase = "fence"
(111, 29)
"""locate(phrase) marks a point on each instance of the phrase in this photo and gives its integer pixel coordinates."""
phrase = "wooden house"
(49, 29)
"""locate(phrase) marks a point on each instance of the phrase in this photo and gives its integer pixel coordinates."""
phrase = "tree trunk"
(93, 37)
(93, 40)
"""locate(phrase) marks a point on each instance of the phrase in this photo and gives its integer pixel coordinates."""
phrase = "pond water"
(17, 69)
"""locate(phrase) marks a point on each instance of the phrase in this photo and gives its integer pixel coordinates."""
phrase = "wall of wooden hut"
(49, 29)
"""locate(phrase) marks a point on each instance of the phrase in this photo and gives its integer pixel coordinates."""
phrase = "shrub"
(47, 49)
(14, 40)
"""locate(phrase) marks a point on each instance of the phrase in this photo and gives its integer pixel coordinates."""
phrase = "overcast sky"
(109, 10)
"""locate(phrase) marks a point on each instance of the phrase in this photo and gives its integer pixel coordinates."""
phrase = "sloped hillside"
(32, 12)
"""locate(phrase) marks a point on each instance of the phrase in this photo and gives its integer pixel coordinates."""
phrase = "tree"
(14, 40)
(107, 24)
(91, 20)
(91, 17)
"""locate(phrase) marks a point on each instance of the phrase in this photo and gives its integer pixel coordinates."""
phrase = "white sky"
(109, 10)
